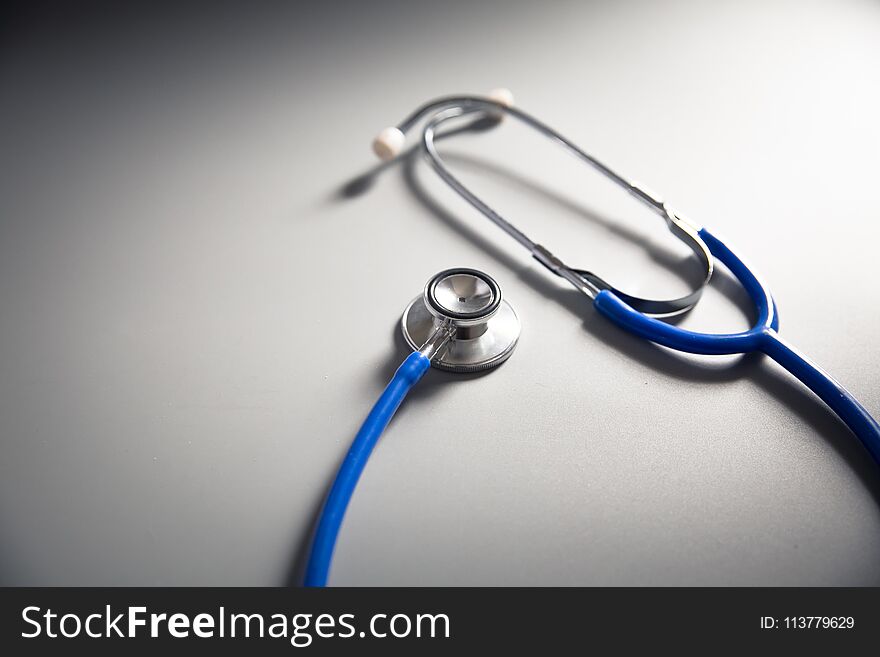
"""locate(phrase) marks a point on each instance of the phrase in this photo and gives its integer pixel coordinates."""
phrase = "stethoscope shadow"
(773, 381)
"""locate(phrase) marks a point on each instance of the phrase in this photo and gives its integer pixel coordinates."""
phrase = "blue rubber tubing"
(763, 337)
(407, 375)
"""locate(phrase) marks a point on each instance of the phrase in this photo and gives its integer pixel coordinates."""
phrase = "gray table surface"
(198, 307)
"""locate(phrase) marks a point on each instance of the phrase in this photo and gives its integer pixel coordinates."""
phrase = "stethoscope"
(462, 323)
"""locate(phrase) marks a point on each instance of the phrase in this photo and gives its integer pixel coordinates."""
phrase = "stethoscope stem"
(438, 340)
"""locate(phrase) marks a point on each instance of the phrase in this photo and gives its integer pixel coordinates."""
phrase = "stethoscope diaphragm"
(484, 326)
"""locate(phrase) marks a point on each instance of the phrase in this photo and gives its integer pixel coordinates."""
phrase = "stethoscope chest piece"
(468, 303)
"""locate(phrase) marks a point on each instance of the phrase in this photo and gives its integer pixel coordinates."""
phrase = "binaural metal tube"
(452, 107)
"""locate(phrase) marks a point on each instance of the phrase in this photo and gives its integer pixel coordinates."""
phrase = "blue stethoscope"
(461, 322)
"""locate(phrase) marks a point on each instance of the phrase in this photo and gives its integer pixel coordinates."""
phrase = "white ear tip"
(501, 96)
(388, 143)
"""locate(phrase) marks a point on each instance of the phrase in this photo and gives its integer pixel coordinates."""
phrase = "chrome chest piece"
(476, 328)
